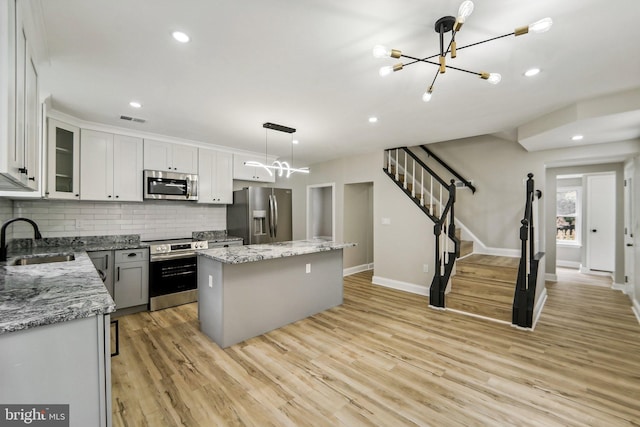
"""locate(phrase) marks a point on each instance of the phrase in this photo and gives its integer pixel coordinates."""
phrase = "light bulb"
(426, 96)
(385, 71)
(541, 26)
(180, 36)
(380, 51)
(494, 78)
(466, 8)
(532, 72)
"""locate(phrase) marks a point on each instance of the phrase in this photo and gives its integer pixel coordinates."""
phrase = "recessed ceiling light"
(135, 104)
(373, 120)
(577, 137)
(180, 36)
(532, 72)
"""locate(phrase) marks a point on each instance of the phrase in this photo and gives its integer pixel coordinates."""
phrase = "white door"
(628, 230)
(601, 222)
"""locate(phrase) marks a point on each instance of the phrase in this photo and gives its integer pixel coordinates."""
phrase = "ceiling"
(308, 65)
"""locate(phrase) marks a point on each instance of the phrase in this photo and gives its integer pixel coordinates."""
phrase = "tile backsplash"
(151, 219)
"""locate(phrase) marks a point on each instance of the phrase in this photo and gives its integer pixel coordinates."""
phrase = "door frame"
(629, 221)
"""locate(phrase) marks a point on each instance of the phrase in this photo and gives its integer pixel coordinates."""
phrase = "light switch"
(308, 269)
(210, 281)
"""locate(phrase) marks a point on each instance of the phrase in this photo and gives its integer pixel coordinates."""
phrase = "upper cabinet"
(215, 177)
(166, 156)
(63, 161)
(20, 141)
(110, 167)
(251, 173)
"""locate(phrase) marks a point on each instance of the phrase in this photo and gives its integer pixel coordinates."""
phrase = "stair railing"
(410, 173)
(524, 297)
(449, 168)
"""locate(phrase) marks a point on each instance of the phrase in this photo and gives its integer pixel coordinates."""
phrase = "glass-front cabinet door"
(64, 161)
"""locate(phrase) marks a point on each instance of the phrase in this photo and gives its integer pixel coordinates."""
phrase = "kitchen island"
(245, 291)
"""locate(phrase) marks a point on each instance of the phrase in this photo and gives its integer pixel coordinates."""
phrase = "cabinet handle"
(23, 170)
(117, 280)
(132, 254)
(77, 195)
(106, 261)
(32, 178)
(109, 196)
(117, 197)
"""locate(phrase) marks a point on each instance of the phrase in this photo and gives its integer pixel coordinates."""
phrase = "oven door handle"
(156, 258)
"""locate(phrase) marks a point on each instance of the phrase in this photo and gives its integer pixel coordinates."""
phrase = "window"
(568, 225)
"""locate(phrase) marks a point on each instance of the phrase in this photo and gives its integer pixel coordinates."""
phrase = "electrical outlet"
(78, 224)
(308, 268)
(425, 268)
(210, 281)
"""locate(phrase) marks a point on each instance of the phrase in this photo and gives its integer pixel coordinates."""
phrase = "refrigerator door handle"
(275, 217)
(271, 215)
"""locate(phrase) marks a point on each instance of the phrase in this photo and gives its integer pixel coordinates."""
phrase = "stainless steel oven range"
(173, 273)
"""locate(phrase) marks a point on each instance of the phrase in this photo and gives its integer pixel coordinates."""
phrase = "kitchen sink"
(44, 259)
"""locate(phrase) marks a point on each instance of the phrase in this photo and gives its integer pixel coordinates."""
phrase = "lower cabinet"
(103, 261)
(64, 363)
(131, 281)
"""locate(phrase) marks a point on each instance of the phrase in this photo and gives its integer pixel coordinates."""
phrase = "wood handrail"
(449, 168)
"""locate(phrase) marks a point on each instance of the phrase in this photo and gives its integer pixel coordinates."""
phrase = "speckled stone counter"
(215, 236)
(252, 253)
(44, 294)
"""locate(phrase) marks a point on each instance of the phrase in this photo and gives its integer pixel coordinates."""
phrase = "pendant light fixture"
(452, 24)
(280, 167)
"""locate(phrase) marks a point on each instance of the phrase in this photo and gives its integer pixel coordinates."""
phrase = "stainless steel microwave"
(170, 185)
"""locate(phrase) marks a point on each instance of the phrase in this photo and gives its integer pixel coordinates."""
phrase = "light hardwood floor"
(384, 358)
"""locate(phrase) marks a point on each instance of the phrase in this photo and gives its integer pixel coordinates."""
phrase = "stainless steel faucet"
(3, 235)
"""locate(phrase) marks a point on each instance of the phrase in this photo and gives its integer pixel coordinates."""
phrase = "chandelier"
(451, 24)
(280, 167)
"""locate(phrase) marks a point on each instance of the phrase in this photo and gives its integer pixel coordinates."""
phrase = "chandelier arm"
(435, 63)
(434, 78)
(485, 41)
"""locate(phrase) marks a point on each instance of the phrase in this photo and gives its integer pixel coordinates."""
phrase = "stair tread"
(492, 260)
(481, 307)
(463, 280)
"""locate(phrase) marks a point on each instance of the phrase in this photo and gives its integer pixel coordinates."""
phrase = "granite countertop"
(43, 294)
(215, 236)
(252, 253)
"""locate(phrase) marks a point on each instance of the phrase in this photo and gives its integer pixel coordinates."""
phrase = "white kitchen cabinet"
(215, 177)
(63, 169)
(110, 167)
(131, 284)
(62, 363)
(20, 141)
(166, 156)
(250, 173)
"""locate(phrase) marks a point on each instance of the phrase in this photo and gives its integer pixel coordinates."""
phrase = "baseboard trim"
(478, 316)
(357, 269)
(568, 264)
(619, 287)
(550, 277)
(537, 310)
(636, 309)
(401, 286)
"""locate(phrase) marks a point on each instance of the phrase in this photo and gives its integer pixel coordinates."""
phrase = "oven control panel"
(167, 248)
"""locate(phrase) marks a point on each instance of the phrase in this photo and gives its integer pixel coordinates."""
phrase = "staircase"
(484, 286)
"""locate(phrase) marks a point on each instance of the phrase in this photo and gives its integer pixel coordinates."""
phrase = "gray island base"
(247, 291)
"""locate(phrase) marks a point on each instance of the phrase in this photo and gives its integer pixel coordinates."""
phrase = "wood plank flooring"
(383, 358)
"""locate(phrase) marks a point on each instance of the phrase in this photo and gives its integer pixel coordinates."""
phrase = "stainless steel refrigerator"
(260, 215)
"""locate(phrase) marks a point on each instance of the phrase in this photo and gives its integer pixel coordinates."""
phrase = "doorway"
(358, 226)
(321, 211)
(629, 221)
